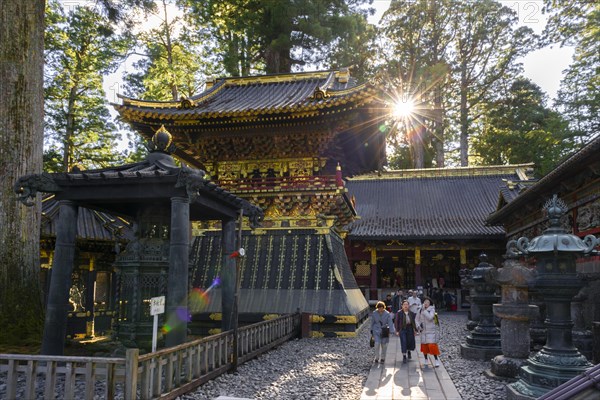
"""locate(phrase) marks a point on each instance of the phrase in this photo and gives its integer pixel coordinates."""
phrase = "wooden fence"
(164, 374)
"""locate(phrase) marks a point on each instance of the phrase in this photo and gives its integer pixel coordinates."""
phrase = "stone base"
(491, 375)
(479, 353)
(513, 394)
(584, 341)
(506, 367)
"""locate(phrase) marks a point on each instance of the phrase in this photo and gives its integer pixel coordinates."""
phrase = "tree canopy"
(275, 36)
(576, 23)
(518, 127)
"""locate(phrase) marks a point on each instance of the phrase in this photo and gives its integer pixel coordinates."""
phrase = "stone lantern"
(555, 252)
(483, 342)
(515, 312)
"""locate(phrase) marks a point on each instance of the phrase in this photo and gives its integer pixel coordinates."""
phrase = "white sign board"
(157, 305)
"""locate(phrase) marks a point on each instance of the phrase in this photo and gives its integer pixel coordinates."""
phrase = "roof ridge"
(483, 170)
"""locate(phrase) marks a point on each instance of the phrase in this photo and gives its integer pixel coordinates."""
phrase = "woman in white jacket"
(429, 330)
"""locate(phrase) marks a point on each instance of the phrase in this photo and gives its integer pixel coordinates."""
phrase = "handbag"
(385, 331)
(372, 342)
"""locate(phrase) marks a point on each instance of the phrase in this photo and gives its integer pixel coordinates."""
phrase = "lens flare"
(198, 300)
(183, 314)
(404, 108)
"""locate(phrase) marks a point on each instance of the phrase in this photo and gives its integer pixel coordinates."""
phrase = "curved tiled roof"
(436, 207)
(120, 190)
(291, 94)
(91, 224)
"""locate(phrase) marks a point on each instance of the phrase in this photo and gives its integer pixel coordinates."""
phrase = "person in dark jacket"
(405, 329)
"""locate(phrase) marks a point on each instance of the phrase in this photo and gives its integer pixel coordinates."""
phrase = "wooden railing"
(167, 373)
(77, 377)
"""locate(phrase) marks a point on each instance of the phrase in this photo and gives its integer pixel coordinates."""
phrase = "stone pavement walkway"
(416, 379)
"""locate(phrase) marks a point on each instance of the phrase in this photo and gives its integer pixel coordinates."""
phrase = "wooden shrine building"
(418, 228)
(281, 142)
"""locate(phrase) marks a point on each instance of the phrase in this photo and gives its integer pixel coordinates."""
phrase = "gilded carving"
(345, 319)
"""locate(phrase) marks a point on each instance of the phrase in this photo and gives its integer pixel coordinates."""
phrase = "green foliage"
(519, 128)
(415, 42)
(81, 47)
(277, 35)
(576, 23)
(449, 56)
(176, 59)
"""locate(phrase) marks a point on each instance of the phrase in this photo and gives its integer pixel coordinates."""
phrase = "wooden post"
(373, 294)
(228, 273)
(418, 276)
(177, 284)
(238, 262)
(55, 325)
(131, 373)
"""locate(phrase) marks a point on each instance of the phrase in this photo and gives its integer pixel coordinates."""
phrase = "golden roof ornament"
(186, 104)
(162, 141)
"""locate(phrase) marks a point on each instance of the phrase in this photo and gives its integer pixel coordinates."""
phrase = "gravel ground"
(332, 368)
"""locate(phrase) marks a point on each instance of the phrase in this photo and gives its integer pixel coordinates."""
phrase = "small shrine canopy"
(154, 181)
(430, 204)
(245, 106)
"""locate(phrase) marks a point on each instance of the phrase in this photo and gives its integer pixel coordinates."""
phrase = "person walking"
(414, 302)
(426, 320)
(382, 327)
(397, 301)
(405, 326)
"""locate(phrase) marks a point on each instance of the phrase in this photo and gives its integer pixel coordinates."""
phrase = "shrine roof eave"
(500, 236)
(291, 95)
(587, 157)
(144, 119)
(122, 191)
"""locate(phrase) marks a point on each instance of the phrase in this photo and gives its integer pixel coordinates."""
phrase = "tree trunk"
(464, 117)
(278, 61)
(69, 130)
(21, 141)
(418, 144)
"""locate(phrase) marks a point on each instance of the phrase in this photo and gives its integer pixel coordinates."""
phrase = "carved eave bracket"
(28, 186)
(193, 180)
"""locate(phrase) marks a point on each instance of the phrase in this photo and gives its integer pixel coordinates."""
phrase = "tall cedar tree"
(520, 128)
(276, 35)
(487, 47)
(415, 41)
(81, 47)
(21, 141)
(576, 23)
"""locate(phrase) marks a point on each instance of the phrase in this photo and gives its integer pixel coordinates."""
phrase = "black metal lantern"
(555, 253)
